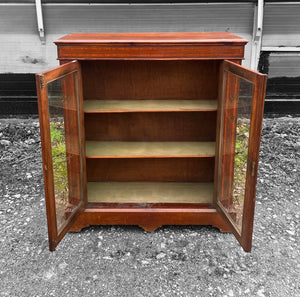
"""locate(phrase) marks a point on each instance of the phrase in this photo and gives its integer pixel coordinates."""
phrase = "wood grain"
(154, 80)
(149, 46)
(149, 169)
(151, 126)
(180, 38)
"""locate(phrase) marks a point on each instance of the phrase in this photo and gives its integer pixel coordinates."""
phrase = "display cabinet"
(150, 129)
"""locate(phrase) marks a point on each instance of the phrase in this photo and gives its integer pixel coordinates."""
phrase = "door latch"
(42, 81)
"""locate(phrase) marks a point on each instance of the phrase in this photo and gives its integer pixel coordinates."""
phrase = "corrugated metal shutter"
(281, 25)
(284, 65)
(21, 50)
(282, 29)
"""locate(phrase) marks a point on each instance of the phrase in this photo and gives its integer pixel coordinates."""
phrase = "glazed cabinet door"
(240, 112)
(62, 134)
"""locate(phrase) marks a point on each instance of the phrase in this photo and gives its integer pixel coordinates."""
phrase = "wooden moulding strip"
(148, 51)
(153, 38)
(106, 205)
(161, 211)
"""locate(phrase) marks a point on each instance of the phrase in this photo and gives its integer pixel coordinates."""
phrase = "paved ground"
(126, 261)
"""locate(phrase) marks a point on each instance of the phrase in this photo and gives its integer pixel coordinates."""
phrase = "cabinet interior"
(150, 130)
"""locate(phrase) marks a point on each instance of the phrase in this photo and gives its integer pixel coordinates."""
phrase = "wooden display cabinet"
(150, 130)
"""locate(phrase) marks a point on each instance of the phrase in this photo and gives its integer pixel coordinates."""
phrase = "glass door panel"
(241, 110)
(233, 165)
(61, 131)
(65, 147)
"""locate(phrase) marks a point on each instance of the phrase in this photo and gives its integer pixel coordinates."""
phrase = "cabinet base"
(150, 218)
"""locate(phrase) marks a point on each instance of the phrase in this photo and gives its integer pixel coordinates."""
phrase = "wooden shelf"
(118, 106)
(123, 149)
(150, 192)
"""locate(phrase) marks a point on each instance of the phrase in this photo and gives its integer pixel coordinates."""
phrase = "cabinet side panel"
(150, 79)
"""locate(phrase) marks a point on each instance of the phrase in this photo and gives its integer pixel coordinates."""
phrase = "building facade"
(28, 29)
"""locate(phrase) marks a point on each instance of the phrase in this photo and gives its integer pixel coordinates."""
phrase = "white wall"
(22, 51)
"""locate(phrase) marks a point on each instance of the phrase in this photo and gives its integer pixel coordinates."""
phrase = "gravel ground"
(126, 261)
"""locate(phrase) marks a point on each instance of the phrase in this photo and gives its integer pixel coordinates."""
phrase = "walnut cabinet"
(150, 129)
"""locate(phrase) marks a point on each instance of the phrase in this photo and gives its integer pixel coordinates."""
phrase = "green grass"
(241, 145)
(240, 169)
(59, 160)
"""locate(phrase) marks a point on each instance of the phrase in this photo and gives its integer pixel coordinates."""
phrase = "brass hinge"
(252, 167)
(42, 81)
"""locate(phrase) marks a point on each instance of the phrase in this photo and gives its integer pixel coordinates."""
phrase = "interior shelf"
(123, 149)
(107, 106)
(150, 192)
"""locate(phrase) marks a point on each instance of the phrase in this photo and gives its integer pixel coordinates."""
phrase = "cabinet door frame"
(259, 87)
(41, 82)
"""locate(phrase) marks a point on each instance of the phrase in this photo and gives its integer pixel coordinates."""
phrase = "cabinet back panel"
(156, 126)
(188, 79)
(158, 169)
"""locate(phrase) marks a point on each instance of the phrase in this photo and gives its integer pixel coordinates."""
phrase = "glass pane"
(235, 130)
(65, 146)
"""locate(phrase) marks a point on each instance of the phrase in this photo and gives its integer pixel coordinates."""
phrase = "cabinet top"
(102, 38)
(145, 46)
